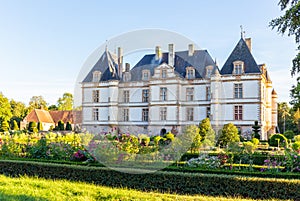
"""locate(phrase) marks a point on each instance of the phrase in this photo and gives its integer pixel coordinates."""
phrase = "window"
(163, 73)
(145, 95)
(126, 114)
(237, 67)
(96, 96)
(238, 112)
(126, 96)
(190, 73)
(145, 114)
(208, 113)
(96, 76)
(190, 94)
(146, 74)
(190, 114)
(163, 93)
(209, 70)
(163, 113)
(95, 114)
(208, 93)
(238, 90)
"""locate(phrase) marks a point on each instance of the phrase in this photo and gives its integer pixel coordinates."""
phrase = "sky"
(44, 43)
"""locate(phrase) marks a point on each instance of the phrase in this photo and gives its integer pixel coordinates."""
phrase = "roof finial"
(242, 32)
(106, 46)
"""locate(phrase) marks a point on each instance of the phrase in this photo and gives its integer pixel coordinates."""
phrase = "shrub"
(40, 126)
(15, 126)
(289, 134)
(229, 134)
(171, 182)
(68, 126)
(283, 141)
(169, 136)
(205, 161)
(249, 147)
(297, 138)
(4, 126)
(32, 127)
(296, 146)
(60, 125)
(255, 141)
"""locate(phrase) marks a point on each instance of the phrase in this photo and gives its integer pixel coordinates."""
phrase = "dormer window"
(190, 73)
(96, 76)
(145, 74)
(163, 73)
(209, 70)
(238, 67)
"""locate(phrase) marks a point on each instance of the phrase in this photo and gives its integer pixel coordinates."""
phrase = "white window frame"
(238, 112)
(96, 114)
(238, 90)
(190, 114)
(190, 73)
(145, 95)
(163, 93)
(163, 113)
(125, 114)
(96, 76)
(126, 94)
(145, 75)
(96, 96)
(208, 93)
(164, 73)
(189, 93)
(238, 67)
(145, 114)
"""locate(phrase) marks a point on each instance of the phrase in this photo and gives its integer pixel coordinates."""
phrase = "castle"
(166, 91)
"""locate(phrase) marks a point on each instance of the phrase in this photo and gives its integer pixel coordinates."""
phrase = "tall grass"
(32, 189)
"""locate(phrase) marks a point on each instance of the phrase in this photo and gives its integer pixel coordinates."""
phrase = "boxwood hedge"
(177, 182)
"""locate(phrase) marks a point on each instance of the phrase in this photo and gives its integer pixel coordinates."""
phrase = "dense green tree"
(52, 108)
(204, 126)
(229, 134)
(37, 102)
(66, 102)
(68, 126)
(4, 126)
(289, 23)
(60, 125)
(5, 109)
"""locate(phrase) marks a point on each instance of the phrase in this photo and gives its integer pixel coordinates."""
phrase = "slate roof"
(199, 61)
(241, 52)
(107, 65)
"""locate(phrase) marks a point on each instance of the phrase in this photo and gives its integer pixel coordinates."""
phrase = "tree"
(5, 109)
(290, 23)
(229, 134)
(15, 125)
(68, 126)
(285, 117)
(204, 126)
(66, 102)
(40, 126)
(256, 129)
(4, 126)
(52, 108)
(37, 102)
(18, 109)
(32, 127)
(60, 125)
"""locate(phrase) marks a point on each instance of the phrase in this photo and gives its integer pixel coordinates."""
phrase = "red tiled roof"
(39, 115)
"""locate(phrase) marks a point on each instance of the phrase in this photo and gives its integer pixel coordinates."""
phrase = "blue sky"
(44, 43)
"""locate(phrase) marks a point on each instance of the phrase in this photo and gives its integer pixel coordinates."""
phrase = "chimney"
(171, 54)
(120, 61)
(158, 53)
(248, 42)
(127, 67)
(191, 50)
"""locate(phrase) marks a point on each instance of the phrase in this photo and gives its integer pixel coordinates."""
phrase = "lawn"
(29, 189)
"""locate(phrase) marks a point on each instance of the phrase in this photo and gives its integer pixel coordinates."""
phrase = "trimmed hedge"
(172, 182)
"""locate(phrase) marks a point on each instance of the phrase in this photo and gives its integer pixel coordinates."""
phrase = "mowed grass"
(29, 189)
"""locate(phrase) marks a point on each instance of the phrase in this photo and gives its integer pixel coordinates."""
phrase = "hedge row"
(257, 159)
(172, 182)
